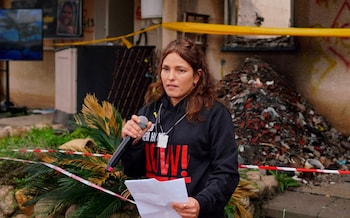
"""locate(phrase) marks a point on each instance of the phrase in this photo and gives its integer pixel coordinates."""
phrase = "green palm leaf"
(103, 124)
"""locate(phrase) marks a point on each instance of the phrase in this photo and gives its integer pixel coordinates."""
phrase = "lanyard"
(171, 128)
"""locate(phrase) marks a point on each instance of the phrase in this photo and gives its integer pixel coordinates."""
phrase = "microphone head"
(144, 122)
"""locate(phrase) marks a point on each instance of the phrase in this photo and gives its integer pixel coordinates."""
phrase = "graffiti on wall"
(324, 2)
(88, 22)
(341, 21)
(332, 51)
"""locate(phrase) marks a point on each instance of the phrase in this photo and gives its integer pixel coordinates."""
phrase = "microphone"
(122, 146)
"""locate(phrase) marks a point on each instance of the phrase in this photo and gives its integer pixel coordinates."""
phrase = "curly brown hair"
(203, 95)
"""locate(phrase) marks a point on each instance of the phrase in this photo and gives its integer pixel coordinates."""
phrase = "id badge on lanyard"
(162, 140)
(163, 137)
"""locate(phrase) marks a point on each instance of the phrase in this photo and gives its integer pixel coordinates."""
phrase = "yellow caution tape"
(222, 29)
(126, 42)
(113, 39)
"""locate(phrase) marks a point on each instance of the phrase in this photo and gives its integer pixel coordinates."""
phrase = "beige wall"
(319, 68)
(32, 84)
(322, 67)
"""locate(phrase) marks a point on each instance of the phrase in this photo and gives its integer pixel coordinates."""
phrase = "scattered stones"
(7, 201)
(265, 183)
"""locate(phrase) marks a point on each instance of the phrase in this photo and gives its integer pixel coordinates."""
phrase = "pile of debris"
(275, 125)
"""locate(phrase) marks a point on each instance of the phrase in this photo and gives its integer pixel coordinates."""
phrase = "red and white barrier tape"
(61, 151)
(88, 183)
(240, 165)
(73, 176)
(295, 169)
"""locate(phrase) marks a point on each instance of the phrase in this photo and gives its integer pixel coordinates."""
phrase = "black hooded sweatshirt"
(204, 153)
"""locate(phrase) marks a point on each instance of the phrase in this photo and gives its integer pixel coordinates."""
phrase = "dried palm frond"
(102, 117)
(102, 120)
(240, 199)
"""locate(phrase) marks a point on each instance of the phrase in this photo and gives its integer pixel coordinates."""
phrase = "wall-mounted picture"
(61, 18)
(21, 36)
(68, 18)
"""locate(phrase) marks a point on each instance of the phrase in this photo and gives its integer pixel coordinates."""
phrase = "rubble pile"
(276, 126)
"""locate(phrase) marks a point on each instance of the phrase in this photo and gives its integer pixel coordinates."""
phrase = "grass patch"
(44, 138)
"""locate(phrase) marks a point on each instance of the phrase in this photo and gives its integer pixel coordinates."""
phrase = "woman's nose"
(171, 74)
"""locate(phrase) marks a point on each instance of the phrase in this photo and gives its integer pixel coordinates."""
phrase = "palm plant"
(240, 202)
(102, 123)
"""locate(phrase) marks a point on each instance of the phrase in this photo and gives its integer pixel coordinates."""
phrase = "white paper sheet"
(153, 198)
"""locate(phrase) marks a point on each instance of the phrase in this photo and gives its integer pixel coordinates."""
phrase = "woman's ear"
(197, 75)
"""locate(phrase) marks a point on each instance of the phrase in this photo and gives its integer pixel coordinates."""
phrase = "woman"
(65, 22)
(190, 134)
